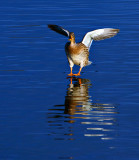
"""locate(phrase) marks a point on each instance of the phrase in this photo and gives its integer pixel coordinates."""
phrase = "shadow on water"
(80, 113)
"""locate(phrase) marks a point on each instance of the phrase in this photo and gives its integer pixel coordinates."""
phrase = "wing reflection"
(96, 119)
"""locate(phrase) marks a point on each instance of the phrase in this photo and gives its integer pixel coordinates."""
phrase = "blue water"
(44, 114)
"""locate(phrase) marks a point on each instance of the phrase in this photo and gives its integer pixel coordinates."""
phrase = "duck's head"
(72, 37)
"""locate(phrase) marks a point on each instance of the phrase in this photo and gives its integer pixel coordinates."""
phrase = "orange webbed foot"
(78, 74)
(71, 74)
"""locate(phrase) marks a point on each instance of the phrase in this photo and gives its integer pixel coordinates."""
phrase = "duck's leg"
(71, 64)
(78, 74)
(71, 74)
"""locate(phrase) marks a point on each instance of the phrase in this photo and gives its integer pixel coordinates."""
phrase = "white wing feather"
(98, 34)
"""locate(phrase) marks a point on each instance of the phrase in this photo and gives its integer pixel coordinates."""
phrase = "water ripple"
(96, 119)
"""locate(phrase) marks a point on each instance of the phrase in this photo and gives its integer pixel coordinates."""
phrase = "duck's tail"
(89, 62)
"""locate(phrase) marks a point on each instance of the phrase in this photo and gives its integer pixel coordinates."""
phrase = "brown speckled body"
(77, 53)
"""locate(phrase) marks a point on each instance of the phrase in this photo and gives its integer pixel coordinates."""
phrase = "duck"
(78, 53)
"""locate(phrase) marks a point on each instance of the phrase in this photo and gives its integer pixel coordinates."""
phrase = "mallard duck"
(78, 53)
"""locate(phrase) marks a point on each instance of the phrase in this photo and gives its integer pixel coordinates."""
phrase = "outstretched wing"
(59, 29)
(97, 35)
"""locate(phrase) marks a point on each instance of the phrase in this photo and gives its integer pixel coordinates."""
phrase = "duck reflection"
(95, 118)
(77, 98)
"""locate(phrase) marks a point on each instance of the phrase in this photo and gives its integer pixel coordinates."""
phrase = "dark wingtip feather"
(116, 30)
(58, 29)
(51, 26)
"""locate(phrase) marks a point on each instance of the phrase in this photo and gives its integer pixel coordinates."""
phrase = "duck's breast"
(78, 53)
